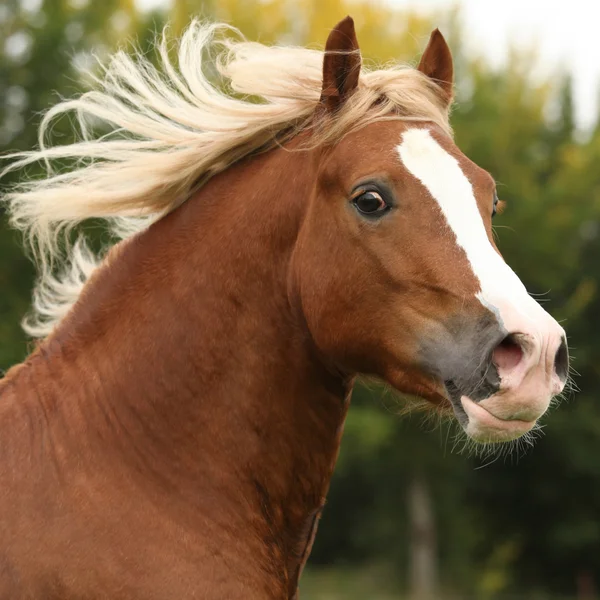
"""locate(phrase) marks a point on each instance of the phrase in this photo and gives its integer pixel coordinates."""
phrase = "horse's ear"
(437, 64)
(341, 65)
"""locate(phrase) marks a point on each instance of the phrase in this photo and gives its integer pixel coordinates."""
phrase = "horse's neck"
(188, 341)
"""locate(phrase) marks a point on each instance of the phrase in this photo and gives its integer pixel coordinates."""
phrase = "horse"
(286, 220)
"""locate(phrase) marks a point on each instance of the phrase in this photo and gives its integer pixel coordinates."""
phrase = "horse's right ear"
(341, 65)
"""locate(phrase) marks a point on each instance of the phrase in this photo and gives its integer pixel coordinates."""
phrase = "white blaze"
(440, 173)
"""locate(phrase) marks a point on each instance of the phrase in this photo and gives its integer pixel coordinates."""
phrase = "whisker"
(534, 294)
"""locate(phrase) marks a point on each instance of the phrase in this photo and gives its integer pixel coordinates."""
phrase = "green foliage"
(528, 525)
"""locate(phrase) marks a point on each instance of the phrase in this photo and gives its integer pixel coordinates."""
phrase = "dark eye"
(370, 203)
(495, 205)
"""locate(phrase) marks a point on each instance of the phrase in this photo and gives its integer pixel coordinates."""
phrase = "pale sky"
(566, 33)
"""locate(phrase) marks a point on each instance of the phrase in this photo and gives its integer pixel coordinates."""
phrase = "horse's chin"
(482, 425)
(482, 420)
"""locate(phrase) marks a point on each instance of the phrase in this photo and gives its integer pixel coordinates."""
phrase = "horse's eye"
(370, 203)
(495, 205)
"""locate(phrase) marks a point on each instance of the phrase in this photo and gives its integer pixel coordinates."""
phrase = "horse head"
(397, 270)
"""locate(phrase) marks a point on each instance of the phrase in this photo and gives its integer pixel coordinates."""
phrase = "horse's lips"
(484, 426)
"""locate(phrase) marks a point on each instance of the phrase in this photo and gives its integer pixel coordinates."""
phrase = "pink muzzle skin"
(532, 363)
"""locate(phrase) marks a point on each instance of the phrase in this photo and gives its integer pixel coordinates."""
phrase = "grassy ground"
(341, 584)
(376, 583)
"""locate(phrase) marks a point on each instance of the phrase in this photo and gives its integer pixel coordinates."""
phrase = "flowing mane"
(148, 138)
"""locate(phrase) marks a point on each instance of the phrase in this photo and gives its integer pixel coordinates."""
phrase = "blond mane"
(148, 138)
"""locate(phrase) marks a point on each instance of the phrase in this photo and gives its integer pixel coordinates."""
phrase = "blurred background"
(410, 515)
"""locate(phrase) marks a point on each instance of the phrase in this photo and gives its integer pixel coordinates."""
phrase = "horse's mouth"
(481, 424)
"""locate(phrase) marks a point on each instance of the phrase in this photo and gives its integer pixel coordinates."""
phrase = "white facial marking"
(442, 176)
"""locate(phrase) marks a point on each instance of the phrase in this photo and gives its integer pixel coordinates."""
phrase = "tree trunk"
(423, 550)
(586, 589)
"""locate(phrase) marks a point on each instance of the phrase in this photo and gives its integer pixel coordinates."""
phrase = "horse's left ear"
(437, 64)
(341, 65)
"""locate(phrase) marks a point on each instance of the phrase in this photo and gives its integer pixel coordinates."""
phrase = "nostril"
(561, 361)
(507, 354)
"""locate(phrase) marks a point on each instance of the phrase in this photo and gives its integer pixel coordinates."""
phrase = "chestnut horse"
(174, 434)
